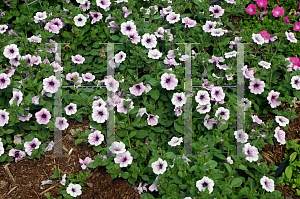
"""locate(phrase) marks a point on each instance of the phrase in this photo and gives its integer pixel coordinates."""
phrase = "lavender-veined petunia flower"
(71, 109)
(78, 59)
(3, 28)
(272, 98)
(51, 84)
(282, 121)
(178, 99)
(117, 147)
(124, 159)
(295, 82)
(128, 27)
(217, 11)
(16, 95)
(217, 93)
(43, 116)
(251, 152)
(11, 51)
(121, 108)
(175, 141)
(74, 190)
(137, 89)
(159, 166)
(85, 6)
(224, 113)
(97, 16)
(80, 20)
(154, 54)
(63, 180)
(202, 97)
(264, 64)
(96, 138)
(111, 84)
(178, 110)
(152, 120)
(280, 136)
(29, 146)
(61, 123)
(120, 57)
(291, 37)
(256, 86)
(40, 16)
(104, 4)
(173, 17)
(17, 154)
(142, 187)
(168, 81)
(189, 23)
(257, 38)
(267, 184)
(203, 108)
(204, 183)
(241, 136)
(126, 12)
(149, 40)
(100, 114)
(85, 162)
(135, 38)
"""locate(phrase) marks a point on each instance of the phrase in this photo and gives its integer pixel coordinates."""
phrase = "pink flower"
(278, 11)
(297, 27)
(265, 35)
(251, 9)
(287, 20)
(299, 6)
(262, 3)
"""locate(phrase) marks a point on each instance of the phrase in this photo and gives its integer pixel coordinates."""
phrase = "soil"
(28, 174)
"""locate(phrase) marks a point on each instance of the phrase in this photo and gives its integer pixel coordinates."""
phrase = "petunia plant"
(148, 84)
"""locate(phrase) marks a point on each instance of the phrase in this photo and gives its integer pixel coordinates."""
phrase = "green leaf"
(223, 127)
(178, 127)
(79, 119)
(9, 131)
(228, 167)
(153, 82)
(93, 164)
(289, 172)
(141, 134)
(194, 168)
(3, 157)
(132, 134)
(242, 167)
(236, 182)
(147, 196)
(115, 37)
(125, 175)
(218, 155)
(171, 155)
(296, 94)
(97, 148)
(252, 183)
(244, 191)
(293, 156)
(155, 94)
(145, 177)
(78, 141)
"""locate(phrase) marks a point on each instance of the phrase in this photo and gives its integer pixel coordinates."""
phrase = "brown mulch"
(28, 174)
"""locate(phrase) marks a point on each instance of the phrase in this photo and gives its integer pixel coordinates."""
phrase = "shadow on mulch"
(28, 174)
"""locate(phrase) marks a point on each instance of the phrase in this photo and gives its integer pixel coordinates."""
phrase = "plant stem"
(127, 130)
